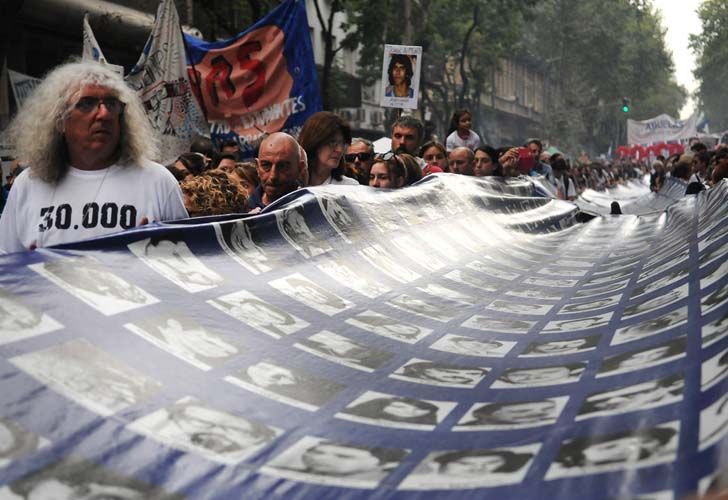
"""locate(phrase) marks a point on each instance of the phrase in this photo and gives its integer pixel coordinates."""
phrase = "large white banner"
(160, 79)
(662, 128)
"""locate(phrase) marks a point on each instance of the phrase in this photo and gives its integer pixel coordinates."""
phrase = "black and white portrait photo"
(340, 214)
(714, 369)
(666, 298)
(513, 378)
(471, 468)
(550, 282)
(561, 347)
(293, 227)
(16, 442)
(621, 450)
(347, 275)
(486, 323)
(426, 372)
(650, 327)
(715, 330)
(519, 307)
(89, 376)
(427, 307)
(186, 339)
(592, 305)
(19, 321)
(583, 293)
(714, 275)
(651, 285)
(389, 327)
(493, 269)
(287, 385)
(261, 315)
(388, 410)
(315, 296)
(191, 425)
(718, 298)
(73, 478)
(238, 239)
(408, 245)
(469, 278)
(174, 260)
(635, 397)
(379, 258)
(511, 415)
(318, 460)
(644, 358)
(714, 422)
(87, 280)
(469, 346)
(573, 325)
(344, 351)
(533, 293)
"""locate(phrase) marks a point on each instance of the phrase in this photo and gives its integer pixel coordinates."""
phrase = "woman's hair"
(455, 120)
(374, 408)
(396, 168)
(213, 193)
(413, 169)
(317, 131)
(432, 144)
(38, 129)
(194, 162)
(405, 61)
(247, 171)
(493, 154)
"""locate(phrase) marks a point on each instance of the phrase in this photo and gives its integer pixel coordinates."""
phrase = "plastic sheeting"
(634, 198)
(459, 337)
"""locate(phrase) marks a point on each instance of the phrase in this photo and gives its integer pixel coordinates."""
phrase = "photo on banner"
(401, 67)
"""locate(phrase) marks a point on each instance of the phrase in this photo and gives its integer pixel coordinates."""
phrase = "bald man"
(461, 161)
(281, 169)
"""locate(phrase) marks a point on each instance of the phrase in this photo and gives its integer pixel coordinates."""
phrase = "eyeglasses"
(89, 104)
(351, 158)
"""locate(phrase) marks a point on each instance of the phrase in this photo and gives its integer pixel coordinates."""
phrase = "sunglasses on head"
(351, 158)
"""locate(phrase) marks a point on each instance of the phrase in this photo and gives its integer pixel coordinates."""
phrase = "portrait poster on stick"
(401, 76)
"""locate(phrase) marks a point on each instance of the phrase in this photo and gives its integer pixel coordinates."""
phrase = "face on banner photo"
(401, 76)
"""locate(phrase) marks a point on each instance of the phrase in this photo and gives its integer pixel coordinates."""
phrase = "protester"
(657, 177)
(486, 162)
(407, 134)
(325, 137)
(388, 171)
(565, 185)
(359, 157)
(461, 161)
(535, 147)
(508, 160)
(247, 175)
(191, 163)
(460, 133)
(15, 169)
(280, 168)
(213, 193)
(84, 134)
(232, 148)
(435, 158)
(414, 172)
(224, 160)
(720, 171)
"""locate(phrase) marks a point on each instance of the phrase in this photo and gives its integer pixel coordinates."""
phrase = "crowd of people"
(88, 148)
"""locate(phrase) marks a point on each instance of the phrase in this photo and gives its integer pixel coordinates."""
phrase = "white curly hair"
(38, 129)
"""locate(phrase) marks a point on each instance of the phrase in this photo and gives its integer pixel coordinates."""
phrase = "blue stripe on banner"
(460, 336)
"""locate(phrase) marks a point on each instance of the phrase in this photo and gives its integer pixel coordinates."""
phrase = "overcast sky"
(681, 20)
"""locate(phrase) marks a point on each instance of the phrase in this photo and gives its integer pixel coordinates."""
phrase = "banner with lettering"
(662, 128)
(456, 339)
(22, 86)
(261, 81)
(160, 79)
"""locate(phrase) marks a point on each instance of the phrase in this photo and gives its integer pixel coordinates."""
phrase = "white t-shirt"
(344, 181)
(86, 203)
(455, 141)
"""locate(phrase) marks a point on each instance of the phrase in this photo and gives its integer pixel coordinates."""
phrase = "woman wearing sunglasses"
(325, 137)
(393, 171)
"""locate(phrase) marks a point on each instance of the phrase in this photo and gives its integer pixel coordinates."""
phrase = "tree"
(711, 50)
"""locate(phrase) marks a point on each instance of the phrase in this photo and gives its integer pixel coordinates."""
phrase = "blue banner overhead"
(459, 338)
(263, 80)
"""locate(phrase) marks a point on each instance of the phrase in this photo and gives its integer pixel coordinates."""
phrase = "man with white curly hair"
(88, 145)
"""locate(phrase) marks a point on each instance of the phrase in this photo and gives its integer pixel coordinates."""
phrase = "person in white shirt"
(460, 134)
(88, 144)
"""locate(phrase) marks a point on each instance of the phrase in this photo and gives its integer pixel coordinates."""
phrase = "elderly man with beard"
(88, 144)
(280, 166)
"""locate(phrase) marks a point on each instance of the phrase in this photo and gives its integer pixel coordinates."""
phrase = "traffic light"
(625, 105)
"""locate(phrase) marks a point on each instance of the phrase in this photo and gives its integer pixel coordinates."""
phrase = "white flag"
(91, 49)
(160, 79)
